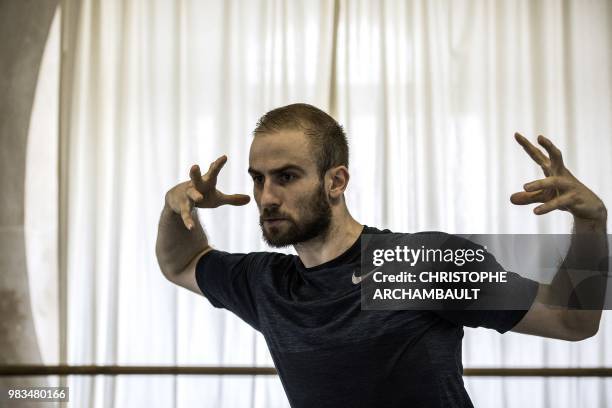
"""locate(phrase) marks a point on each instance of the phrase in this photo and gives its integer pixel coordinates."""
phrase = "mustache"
(272, 213)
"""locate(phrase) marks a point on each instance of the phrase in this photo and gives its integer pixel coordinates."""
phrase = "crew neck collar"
(347, 255)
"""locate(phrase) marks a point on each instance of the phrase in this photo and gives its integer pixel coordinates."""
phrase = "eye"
(286, 177)
(257, 179)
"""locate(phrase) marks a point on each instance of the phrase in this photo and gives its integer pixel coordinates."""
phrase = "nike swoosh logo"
(357, 279)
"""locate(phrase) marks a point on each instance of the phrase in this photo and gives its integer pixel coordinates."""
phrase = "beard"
(315, 218)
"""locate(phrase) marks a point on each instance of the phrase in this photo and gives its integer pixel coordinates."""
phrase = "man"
(328, 351)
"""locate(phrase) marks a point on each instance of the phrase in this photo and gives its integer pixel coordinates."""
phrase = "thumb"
(235, 199)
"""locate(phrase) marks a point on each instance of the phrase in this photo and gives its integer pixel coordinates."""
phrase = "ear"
(336, 180)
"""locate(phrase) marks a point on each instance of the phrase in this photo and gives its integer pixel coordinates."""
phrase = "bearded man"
(327, 350)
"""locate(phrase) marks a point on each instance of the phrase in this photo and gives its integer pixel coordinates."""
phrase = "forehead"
(285, 147)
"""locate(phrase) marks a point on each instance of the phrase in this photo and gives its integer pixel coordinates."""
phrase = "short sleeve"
(229, 281)
(517, 290)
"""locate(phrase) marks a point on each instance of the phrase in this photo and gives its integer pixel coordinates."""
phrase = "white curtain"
(430, 93)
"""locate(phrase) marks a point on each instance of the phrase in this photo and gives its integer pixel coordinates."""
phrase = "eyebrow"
(279, 169)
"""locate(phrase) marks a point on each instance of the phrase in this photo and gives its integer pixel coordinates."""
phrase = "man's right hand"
(201, 191)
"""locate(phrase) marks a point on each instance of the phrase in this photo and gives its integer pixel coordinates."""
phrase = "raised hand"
(201, 191)
(559, 190)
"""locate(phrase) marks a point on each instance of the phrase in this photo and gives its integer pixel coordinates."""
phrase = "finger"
(554, 153)
(196, 178)
(215, 168)
(186, 208)
(523, 197)
(548, 182)
(235, 199)
(560, 202)
(194, 195)
(533, 152)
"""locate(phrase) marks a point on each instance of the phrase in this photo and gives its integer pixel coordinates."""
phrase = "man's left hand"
(559, 189)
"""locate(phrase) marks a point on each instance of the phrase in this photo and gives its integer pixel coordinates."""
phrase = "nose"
(269, 196)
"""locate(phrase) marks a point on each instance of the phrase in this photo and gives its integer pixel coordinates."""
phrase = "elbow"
(169, 277)
(583, 331)
(584, 334)
(164, 266)
(166, 272)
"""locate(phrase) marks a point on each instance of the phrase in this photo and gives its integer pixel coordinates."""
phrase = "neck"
(342, 233)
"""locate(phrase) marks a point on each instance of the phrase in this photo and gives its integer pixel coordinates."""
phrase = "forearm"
(177, 246)
(579, 286)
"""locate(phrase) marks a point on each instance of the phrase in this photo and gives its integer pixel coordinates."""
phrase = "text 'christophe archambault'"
(413, 256)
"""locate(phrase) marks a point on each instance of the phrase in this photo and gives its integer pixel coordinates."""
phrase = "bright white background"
(429, 92)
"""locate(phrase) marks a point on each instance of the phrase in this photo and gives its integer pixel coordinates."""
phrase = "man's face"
(289, 193)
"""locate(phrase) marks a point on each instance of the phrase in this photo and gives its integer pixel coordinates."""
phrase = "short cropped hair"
(327, 138)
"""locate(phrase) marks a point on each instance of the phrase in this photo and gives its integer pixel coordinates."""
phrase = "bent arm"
(569, 308)
(178, 249)
(181, 240)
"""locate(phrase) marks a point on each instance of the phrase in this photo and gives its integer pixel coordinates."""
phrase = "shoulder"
(447, 240)
(217, 271)
(249, 260)
(413, 237)
(418, 234)
(426, 240)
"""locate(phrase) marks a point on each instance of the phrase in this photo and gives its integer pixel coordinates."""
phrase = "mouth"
(273, 221)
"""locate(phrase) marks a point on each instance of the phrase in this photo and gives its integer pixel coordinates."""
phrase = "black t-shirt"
(329, 352)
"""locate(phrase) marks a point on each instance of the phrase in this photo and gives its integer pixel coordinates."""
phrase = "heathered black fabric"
(330, 353)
